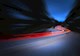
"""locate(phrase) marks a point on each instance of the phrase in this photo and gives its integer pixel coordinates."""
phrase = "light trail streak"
(60, 31)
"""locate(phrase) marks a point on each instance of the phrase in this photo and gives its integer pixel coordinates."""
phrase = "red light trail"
(38, 35)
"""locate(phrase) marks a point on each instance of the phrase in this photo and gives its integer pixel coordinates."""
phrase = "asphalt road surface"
(67, 44)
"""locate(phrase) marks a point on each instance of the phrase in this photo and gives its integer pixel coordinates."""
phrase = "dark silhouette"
(73, 19)
(32, 17)
(35, 11)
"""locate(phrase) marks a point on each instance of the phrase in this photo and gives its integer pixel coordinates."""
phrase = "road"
(67, 44)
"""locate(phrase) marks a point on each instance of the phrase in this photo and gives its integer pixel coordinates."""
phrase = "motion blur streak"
(55, 45)
(37, 35)
(41, 43)
(47, 42)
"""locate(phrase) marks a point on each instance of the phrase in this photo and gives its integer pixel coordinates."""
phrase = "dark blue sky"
(59, 9)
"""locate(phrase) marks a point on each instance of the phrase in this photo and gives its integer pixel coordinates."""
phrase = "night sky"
(59, 9)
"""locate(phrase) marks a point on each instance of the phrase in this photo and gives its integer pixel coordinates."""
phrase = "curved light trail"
(60, 29)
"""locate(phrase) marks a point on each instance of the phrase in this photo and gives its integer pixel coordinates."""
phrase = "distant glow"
(62, 29)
